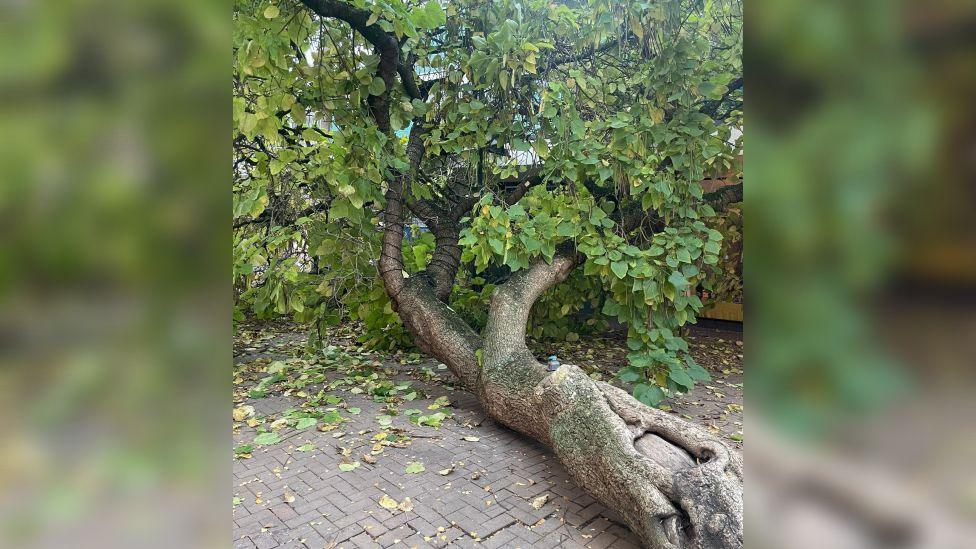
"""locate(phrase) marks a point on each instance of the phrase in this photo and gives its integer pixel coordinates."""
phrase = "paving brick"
(243, 543)
(264, 541)
(342, 507)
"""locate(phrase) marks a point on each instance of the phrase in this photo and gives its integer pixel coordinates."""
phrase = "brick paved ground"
(291, 498)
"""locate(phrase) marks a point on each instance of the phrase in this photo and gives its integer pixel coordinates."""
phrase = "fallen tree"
(537, 139)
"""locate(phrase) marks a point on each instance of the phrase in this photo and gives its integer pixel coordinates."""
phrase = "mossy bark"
(674, 484)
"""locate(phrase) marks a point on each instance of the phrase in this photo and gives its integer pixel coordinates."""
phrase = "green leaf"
(414, 467)
(630, 375)
(678, 375)
(695, 371)
(678, 280)
(244, 449)
(305, 423)
(648, 394)
(619, 268)
(540, 147)
(377, 86)
(267, 439)
(271, 12)
(435, 14)
(346, 467)
(428, 16)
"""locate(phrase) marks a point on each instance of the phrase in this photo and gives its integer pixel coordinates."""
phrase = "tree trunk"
(674, 484)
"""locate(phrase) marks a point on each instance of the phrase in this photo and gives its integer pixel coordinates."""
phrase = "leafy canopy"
(585, 123)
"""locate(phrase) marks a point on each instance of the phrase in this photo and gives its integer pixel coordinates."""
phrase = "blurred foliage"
(112, 164)
(839, 135)
(615, 111)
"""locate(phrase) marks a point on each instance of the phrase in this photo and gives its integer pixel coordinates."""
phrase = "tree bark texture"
(674, 484)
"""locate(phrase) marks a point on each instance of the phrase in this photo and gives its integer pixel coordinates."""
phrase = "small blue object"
(553, 363)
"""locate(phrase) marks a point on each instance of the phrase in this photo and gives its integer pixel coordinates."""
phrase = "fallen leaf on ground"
(538, 502)
(266, 439)
(369, 459)
(289, 496)
(472, 439)
(243, 412)
(405, 505)
(387, 502)
(445, 472)
(414, 467)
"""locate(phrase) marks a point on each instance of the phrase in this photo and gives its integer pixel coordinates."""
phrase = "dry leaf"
(369, 459)
(289, 495)
(445, 472)
(472, 439)
(405, 505)
(538, 502)
(387, 502)
(243, 412)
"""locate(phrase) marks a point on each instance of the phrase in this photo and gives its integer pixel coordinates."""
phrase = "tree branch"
(711, 107)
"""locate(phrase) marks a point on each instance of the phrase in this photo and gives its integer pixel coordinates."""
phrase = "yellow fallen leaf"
(387, 502)
(243, 412)
(538, 502)
(406, 505)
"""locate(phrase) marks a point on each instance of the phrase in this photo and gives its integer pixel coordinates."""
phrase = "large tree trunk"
(674, 484)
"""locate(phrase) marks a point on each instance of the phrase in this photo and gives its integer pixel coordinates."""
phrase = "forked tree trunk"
(674, 484)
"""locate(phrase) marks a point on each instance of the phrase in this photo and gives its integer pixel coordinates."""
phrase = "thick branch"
(386, 46)
(512, 301)
(721, 198)
(391, 254)
(446, 258)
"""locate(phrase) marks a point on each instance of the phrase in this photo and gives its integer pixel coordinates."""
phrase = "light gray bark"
(674, 484)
